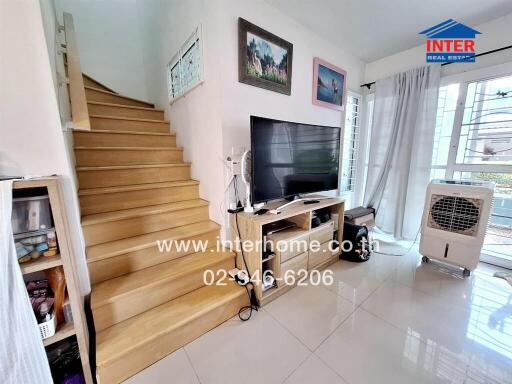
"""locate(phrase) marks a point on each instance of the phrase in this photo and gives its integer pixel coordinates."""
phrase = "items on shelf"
(33, 247)
(66, 309)
(315, 220)
(65, 365)
(278, 226)
(42, 301)
(31, 214)
(268, 254)
(320, 216)
(33, 230)
(57, 283)
(268, 280)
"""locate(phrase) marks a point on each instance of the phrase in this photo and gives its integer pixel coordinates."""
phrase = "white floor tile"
(174, 368)
(471, 318)
(489, 370)
(257, 351)
(314, 371)
(365, 349)
(447, 282)
(422, 314)
(356, 281)
(311, 313)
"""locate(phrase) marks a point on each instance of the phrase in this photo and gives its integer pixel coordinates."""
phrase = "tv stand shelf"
(292, 258)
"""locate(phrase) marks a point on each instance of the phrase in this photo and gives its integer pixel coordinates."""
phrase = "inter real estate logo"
(450, 41)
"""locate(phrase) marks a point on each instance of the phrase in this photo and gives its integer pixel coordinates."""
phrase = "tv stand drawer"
(323, 233)
(295, 264)
(319, 256)
(289, 243)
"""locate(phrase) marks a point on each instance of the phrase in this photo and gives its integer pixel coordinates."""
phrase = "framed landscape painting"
(329, 85)
(264, 59)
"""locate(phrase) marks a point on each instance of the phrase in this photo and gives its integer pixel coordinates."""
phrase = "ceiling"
(373, 29)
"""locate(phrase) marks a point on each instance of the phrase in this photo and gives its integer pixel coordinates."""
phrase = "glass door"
(473, 140)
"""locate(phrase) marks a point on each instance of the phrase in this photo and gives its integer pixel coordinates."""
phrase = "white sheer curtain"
(22, 355)
(401, 149)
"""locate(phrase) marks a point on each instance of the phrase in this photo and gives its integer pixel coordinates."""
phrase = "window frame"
(464, 79)
(452, 166)
(364, 146)
(356, 151)
(195, 38)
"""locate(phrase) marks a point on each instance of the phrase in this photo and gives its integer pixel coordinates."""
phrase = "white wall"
(195, 118)
(32, 142)
(495, 34)
(240, 101)
(214, 118)
(30, 134)
(49, 17)
(109, 43)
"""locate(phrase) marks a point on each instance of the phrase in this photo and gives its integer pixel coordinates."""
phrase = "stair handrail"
(78, 100)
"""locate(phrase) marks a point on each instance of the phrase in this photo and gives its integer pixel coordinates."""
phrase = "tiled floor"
(389, 320)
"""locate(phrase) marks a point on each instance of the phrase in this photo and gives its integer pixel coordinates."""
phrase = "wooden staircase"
(135, 189)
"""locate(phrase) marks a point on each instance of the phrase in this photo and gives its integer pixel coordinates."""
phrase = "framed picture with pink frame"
(329, 85)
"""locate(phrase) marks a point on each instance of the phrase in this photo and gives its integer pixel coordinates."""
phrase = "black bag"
(357, 235)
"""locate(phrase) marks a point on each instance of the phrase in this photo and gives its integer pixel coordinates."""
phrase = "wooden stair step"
(140, 212)
(113, 138)
(110, 291)
(108, 199)
(134, 124)
(116, 258)
(132, 345)
(90, 82)
(100, 95)
(134, 187)
(144, 242)
(120, 110)
(116, 175)
(116, 300)
(98, 156)
(104, 227)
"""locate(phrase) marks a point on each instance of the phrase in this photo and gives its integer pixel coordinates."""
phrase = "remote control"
(311, 201)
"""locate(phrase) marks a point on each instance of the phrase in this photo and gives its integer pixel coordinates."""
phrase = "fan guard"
(455, 214)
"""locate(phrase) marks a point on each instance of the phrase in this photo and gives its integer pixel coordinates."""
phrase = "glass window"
(350, 143)
(185, 70)
(498, 240)
(446, 107)
(486, 131)
(368, 135)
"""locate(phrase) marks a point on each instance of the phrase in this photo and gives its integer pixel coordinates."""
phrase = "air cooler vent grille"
(455, 214)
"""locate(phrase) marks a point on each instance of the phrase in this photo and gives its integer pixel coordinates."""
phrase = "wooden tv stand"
(253, 227)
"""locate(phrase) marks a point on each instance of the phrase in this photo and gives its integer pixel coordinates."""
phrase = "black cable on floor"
(251, 306)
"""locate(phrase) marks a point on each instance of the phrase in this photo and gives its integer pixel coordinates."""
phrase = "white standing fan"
(246, 172)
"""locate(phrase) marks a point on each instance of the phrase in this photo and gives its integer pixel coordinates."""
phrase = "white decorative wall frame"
(185, 70)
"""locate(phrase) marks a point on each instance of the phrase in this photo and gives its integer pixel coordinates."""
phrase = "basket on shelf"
(47, 329)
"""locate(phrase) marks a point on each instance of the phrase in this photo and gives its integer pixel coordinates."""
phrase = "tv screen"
(291, 158)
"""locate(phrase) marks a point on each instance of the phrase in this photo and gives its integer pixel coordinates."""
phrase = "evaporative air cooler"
(455, 220)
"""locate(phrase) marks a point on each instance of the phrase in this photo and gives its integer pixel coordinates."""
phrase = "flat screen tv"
(290, 159)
